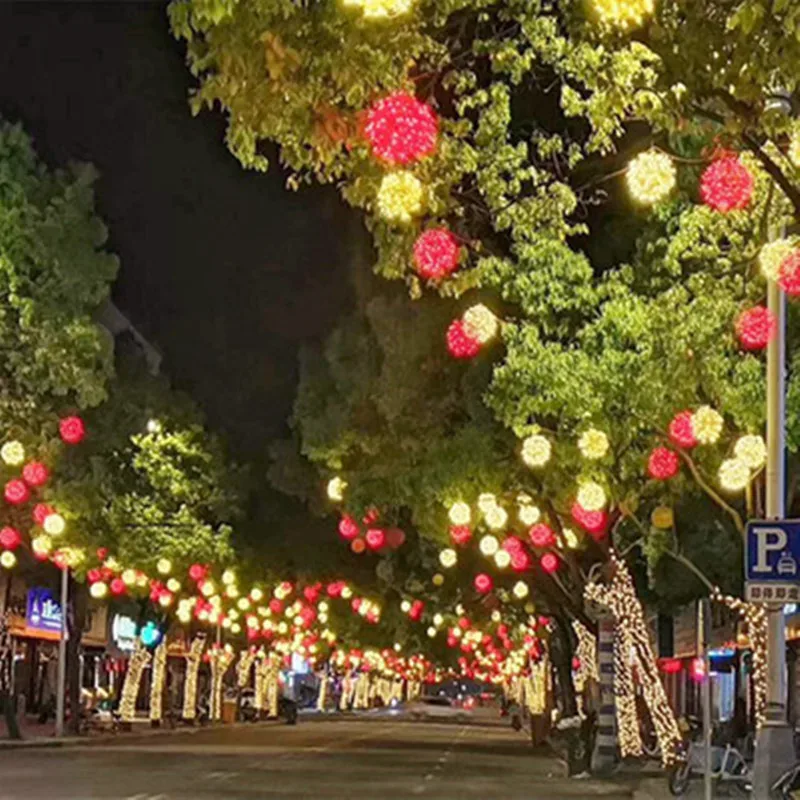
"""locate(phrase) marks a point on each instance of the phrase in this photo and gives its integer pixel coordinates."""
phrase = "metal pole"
(62, 656)
(703, 618)
(774, 745)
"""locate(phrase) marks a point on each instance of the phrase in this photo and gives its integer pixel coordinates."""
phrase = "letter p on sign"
(770, 540)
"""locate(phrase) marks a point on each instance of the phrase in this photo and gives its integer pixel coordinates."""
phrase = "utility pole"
(774, 743)
(62, 656)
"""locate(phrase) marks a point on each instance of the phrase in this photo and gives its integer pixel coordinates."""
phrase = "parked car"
(438, 707)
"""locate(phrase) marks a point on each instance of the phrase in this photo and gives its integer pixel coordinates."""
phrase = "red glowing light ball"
(671, 666)
(593, 522)
(681, 431)
(755, 328)
(16, 492)
(726, 185)
(311, 593)
(512, 544)
(355, 603)
(662, 464)
(275, 606)
(401, 129)
(541, 535)
(335, 589)
(415, 613)
(348, 528)
(72, 430)
(35, 473)
(395, 538)
(358, 546)
(41, 511)
(101, 552)
(371, 516)
(789, 274)
(376, 538)
(94, 575)
(436, 254)
(463, 623)
(10, 538)
(197, 572)
(549, 562)
(520, 561)
(117, 586)
(460, 534)
(459, 343)
(483, 583)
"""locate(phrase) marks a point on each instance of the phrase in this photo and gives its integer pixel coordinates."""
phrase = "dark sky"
(225, 271)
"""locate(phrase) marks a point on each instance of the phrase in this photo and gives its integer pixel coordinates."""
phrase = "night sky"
(225, 271)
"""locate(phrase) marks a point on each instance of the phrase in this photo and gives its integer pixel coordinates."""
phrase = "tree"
(537, 109)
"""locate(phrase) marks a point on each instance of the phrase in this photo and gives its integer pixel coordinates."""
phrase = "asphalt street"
(327, 759)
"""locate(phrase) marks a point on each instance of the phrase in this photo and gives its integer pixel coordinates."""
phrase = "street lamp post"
(62, 655)
(774, 743)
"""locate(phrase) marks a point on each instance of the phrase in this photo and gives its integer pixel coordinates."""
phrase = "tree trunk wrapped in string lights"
(140, 658)
(220, 658)
(630, 740)
(193, 656)
(323, 692)
(262, 675)
(586, 653)
(620, 598)
(243, 667)
(273, 699)
(157, 677)
(754, 618)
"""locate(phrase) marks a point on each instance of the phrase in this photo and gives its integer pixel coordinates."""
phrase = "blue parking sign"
(772, 560)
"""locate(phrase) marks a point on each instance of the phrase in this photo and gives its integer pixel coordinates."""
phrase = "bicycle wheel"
(678, 780)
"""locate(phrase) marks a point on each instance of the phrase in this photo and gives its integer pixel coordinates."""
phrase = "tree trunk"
(76, 619)
(605, 748)
(575, 737)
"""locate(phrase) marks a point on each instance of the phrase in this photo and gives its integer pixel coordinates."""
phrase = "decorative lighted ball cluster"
(593, 444)
(536, 451)
(377, 10)
(436, 254)
(750, 454)
(651, 176)
(621, 14)
(756, 327)
(727, 184)
(467, 335)
(401, 129)
(771, 257)
(373, 538)
(789, 274)
(401, 197)
(662, 464)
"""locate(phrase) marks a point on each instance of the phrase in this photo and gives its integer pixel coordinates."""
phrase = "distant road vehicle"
(437, 708)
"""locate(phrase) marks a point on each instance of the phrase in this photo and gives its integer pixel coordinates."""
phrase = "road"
(326, 759)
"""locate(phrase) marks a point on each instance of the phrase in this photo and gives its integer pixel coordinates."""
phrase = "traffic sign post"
(772, 561)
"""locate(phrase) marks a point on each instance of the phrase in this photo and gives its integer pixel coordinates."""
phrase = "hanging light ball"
(502, 558)
(16, 492)
(400, 197)
(772, 255)
(376, 538)
(98, 590)
(727, 184)
(570, 538)
(71, 430)
(528, 513)
(593, 522)
(486, 500)
(376, 10)
(480, 323)
(358, 546)
(755, 328)
(34, 473)
(164, 566)
(621, 14)
(459, 513)
(335, 489)
(459, 343)
(460, 534)
(401, 129)
(593, 444)
(496, 517)
(752, 450)
(592, 496)
(348, 528)
(541, 535)
(662, 464)
(489, 545)
(436, 254)
(681, 431)
(734, 474)
(536, 450)
(483, 583)
(438, 579)
(12, 453)
(448, 558)
(706, 425)
(651, 176)
(10, 538)
(549, 563)
(789, 274)
(662, 517)
(41, 546)
(521, 590)
(7, 559)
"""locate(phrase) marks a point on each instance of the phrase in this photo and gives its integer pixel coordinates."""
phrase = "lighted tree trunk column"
(630, 740)
(243, 667)
(157, 683)
(262, 673)
(140, 658)
(220, 658)
(190, 683)
(323, 692)
(272, 686)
